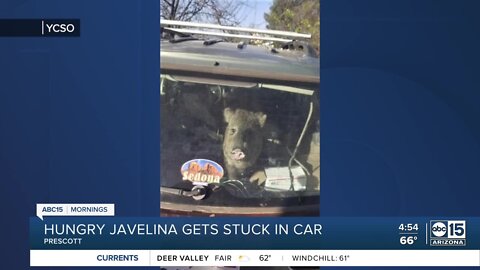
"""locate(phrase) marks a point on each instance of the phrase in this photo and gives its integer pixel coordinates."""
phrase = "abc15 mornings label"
(448, 233)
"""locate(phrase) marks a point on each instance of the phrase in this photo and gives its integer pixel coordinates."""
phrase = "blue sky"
(253, 13)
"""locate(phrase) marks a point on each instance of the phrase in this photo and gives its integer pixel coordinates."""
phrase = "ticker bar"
(256, 258)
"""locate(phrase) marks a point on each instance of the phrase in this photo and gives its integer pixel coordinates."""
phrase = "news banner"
(91, 235)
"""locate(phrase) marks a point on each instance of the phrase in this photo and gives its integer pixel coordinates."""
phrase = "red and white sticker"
(202, 171)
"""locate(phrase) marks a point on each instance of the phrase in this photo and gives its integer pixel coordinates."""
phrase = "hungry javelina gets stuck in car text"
(243, 140)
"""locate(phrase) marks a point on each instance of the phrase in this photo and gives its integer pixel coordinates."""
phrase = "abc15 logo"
(451, 229)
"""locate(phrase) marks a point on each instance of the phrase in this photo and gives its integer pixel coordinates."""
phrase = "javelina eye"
(232, 131)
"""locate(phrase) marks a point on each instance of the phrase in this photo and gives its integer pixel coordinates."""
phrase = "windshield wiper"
(197, 192)
(181, 36)
(182, 39)
(212, 41)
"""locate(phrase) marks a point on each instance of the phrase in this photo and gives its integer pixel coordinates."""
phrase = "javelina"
(243, 140)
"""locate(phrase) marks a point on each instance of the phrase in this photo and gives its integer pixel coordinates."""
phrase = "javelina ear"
(262, 118)
(227, 113)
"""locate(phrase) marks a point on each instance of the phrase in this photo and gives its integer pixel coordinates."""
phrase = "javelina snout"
(243, 140)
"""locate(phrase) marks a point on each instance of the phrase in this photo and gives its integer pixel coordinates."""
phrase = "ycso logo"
(448, 232)
(61, 28)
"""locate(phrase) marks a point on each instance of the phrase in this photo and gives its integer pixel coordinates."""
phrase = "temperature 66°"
(408, 240)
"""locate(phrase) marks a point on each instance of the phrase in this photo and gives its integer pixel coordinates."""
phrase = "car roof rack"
(268, 35)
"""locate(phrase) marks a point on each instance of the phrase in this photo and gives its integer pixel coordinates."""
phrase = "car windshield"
(234, 144)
